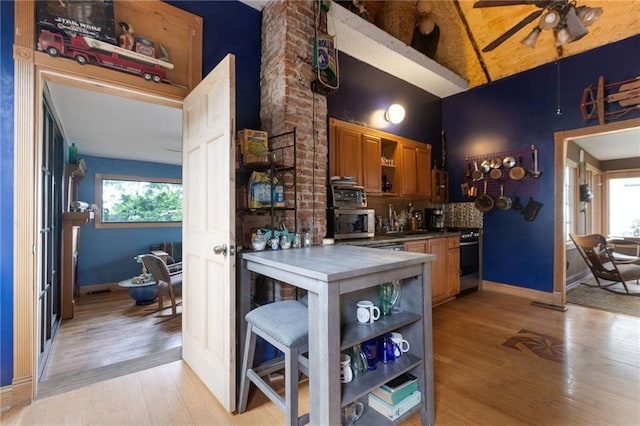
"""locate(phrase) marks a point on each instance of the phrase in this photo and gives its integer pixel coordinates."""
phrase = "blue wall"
(510, 115)
(366, 92)
(222, 35)
(106, 255)
(6, 192)
(232, 27)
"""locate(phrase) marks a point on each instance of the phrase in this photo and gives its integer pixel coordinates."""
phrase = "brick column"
(287, 102)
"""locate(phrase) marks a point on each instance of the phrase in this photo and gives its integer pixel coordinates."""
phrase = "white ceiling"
(104, 125)
(612, 146)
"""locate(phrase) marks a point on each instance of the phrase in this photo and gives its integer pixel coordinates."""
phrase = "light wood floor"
(109, 332)
(498, 360)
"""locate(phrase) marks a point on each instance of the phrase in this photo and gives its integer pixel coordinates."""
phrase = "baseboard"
(527, 293)
(575, 279)
(99, 288)
(21, 391)
(5, 398)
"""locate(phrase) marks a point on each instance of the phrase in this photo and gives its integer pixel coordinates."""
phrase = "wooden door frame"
(31, 70)
(560, 161)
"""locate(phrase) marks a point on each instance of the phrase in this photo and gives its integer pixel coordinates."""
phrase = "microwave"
(346, 224)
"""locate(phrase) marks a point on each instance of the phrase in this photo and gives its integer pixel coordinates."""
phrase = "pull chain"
(558, 110)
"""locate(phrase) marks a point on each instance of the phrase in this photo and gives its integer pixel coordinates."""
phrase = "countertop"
(334, 262)
(398, 238)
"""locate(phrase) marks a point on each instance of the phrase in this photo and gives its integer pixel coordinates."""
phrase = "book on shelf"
(392, 412)
(397, 389)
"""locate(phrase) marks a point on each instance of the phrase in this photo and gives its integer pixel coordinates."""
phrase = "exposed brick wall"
(287, 102)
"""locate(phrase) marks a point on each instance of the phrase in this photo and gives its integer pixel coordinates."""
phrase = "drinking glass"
(359, 362)
(388, 296)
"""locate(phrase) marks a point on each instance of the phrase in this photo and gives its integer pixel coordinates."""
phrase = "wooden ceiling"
(465, 31)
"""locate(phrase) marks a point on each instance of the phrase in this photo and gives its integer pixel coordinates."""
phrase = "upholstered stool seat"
(285, 326)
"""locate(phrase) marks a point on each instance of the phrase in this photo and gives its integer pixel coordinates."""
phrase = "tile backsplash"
(463, 215)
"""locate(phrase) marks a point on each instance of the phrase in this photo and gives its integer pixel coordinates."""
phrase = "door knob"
(222, 249)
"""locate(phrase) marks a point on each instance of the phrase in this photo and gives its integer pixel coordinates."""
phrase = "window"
(624, 204)
(132, 201)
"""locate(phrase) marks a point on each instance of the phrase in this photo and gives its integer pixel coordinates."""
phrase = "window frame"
(99, 224)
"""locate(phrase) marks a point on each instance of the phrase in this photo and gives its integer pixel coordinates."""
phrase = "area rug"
(594, 297)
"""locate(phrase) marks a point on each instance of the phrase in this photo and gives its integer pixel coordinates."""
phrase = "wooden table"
(336, 277)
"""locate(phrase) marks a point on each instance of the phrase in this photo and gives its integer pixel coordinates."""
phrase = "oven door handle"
(471, 243)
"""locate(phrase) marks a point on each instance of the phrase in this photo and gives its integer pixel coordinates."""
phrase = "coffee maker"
(434, 219)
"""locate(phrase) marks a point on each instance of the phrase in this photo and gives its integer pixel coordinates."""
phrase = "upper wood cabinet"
(372, 156)
(371, 171)
(416, 169)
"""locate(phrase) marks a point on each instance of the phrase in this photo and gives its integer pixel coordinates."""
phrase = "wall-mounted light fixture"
(395, 114)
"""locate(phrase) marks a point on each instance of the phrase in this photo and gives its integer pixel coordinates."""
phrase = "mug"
(346, 374)
(367, 312)
(403, 345)
(352, 412)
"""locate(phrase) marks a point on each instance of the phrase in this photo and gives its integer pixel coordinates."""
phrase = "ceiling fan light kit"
(568, 21)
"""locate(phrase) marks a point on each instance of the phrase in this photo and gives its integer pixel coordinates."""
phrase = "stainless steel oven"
(469, 260)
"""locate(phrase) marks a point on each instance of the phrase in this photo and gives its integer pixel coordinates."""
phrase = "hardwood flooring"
(498, 360)
(109, 336)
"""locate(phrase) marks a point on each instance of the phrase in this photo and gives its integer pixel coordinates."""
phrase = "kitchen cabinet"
(416, 169)
(358, 155)
(445, 270)
(372, 156)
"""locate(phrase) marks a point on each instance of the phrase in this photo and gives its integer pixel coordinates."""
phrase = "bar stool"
(285, 326)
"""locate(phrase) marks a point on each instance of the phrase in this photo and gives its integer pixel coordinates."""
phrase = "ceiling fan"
(568, 21)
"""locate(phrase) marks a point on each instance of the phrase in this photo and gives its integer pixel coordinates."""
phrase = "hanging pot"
(484, 202)
(502, 202)
(496, 163)
(476, 174)
(518, 172)
(508, 162)
(485, 166)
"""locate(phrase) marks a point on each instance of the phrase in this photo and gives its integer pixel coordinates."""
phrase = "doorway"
(560, 160)
(99, 356)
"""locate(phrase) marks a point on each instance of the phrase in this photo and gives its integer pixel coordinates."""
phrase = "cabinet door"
(423, 171)
(453, 266)
(371, 167)
(416, 246)
(439, 272)
(348, 154)
(409, 171)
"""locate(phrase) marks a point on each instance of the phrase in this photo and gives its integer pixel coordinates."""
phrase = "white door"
(208, 176)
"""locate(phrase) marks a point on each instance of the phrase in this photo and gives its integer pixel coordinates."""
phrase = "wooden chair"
(605, 264)
(169, 283)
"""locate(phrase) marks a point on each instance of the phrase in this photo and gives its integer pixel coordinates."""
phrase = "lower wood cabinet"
(445, 270)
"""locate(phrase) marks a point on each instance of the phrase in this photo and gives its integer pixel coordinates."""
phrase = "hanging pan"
(517, 172)
(502, 202)
(484, 202)
(476, 174)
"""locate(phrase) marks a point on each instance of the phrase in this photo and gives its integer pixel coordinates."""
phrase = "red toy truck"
(86, 50)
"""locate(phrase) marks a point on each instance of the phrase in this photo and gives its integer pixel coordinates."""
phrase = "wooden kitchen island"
(336, 277)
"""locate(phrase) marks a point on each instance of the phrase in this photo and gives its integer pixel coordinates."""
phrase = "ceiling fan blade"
(496, 3)
(517, 27)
